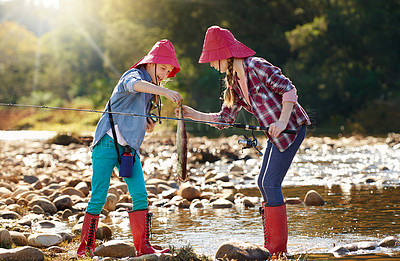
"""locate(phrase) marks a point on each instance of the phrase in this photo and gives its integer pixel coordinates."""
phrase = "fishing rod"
(235, 125)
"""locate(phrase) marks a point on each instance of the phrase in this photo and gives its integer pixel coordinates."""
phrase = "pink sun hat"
(220, 44)
(163, 52)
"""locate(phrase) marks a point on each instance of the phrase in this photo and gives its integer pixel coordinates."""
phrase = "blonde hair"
(229, 94)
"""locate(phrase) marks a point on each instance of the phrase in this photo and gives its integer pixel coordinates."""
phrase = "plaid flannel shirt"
(266, 85)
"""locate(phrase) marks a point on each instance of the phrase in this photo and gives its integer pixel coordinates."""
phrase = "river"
(358, 178)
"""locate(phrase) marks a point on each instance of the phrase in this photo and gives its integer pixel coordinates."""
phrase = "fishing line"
(235, 125)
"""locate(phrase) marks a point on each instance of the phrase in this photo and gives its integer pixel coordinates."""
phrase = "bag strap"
(113, 131)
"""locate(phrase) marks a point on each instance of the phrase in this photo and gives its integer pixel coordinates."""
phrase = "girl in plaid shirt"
(260, 88)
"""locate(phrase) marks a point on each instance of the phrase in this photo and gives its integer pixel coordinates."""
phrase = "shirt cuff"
(290, 96)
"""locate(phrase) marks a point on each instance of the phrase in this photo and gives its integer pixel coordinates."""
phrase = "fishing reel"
(250, 142)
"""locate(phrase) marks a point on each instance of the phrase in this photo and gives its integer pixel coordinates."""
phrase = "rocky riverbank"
(44, 186)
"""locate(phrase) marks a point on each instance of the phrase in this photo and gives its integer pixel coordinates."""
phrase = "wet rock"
(5, 237)
(18, 238)
(37, 210)
(6, 214)
(163, 187)
(30, 179)
(241, 252)
(45, 204)
(184, 203)
(83, 187)
(222, 177)
(367, 245)
(5, 192)
(389, 242)
(247, 203)
(66, 213)
(66, 236)
(46, 224)
(351, 247)
(313, 198)
(44, 240)
(339, 251)
(111, 202)
(21, 254)
(196, 204)
(72, 191)
(189, 192)
(63, 202)
(170, 193)
(221, 203)
(116, 248)
(293, 201)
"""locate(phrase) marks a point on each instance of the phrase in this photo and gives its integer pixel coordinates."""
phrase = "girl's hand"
(173, 96)
(276, 128)
(187, 112)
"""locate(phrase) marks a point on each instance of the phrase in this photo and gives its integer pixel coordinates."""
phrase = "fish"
(181, 146)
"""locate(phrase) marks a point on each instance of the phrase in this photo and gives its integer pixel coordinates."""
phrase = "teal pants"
(104, 159)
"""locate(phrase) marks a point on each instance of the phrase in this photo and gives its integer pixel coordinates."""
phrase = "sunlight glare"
(47, 3)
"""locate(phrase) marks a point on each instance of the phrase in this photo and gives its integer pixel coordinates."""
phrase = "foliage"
(185, 253)
(342, 55)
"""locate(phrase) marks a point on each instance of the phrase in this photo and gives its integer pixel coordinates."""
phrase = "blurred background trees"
(342, 55)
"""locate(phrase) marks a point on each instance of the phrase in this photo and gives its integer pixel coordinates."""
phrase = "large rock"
(63, 202)
(45, 204)
(189, 192)
(313, 198)
(5, 237)
(241, 252)
(221, 203)
(389, 242)
(116, 248)
(18, 238)
(44, 240)
(25, 253)
(111, 202)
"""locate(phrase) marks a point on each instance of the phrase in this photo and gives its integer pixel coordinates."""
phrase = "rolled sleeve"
(226, 115)
(127, 82)
(290, 96)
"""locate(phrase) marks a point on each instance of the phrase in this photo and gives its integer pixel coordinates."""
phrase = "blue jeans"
(274, 168)
(104, 159)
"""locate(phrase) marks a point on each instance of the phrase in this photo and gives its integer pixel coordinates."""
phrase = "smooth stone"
(18, 238)
(24, 253)
(111, 202)
(390, 241)
(293, 201)
(367, 245)
(67, 213)
(46, 224)
(63, 202)
(351, 247)
(339, 251)
(189, 192)
(5, 236)
(83, 187)
(45, 204)
(221, 203)
(9, 214)
(37, 209)
(241, 252)
(313, 198)
(44, 240)
(116, 248)
(72, 191)
(169, 194)
(56, 249)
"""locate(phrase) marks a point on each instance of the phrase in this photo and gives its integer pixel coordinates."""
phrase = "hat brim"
(159, 60)
(236, 49)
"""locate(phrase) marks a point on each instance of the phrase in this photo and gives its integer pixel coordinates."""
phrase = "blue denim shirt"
(125, 99)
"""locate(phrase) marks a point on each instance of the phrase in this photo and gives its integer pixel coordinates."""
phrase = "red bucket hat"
(220, 44)
(163, 52)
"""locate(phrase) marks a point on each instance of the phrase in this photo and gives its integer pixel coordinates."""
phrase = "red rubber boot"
(88, 240)
(275, 228)
(140, 227)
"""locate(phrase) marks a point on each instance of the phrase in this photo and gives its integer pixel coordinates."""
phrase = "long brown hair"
(229, 94)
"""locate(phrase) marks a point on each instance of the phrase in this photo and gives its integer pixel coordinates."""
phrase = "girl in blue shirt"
(134, 93)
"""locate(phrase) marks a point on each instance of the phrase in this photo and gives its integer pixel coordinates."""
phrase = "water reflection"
(363, 213)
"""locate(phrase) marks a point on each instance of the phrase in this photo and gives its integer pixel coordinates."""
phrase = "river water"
(359, 181)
